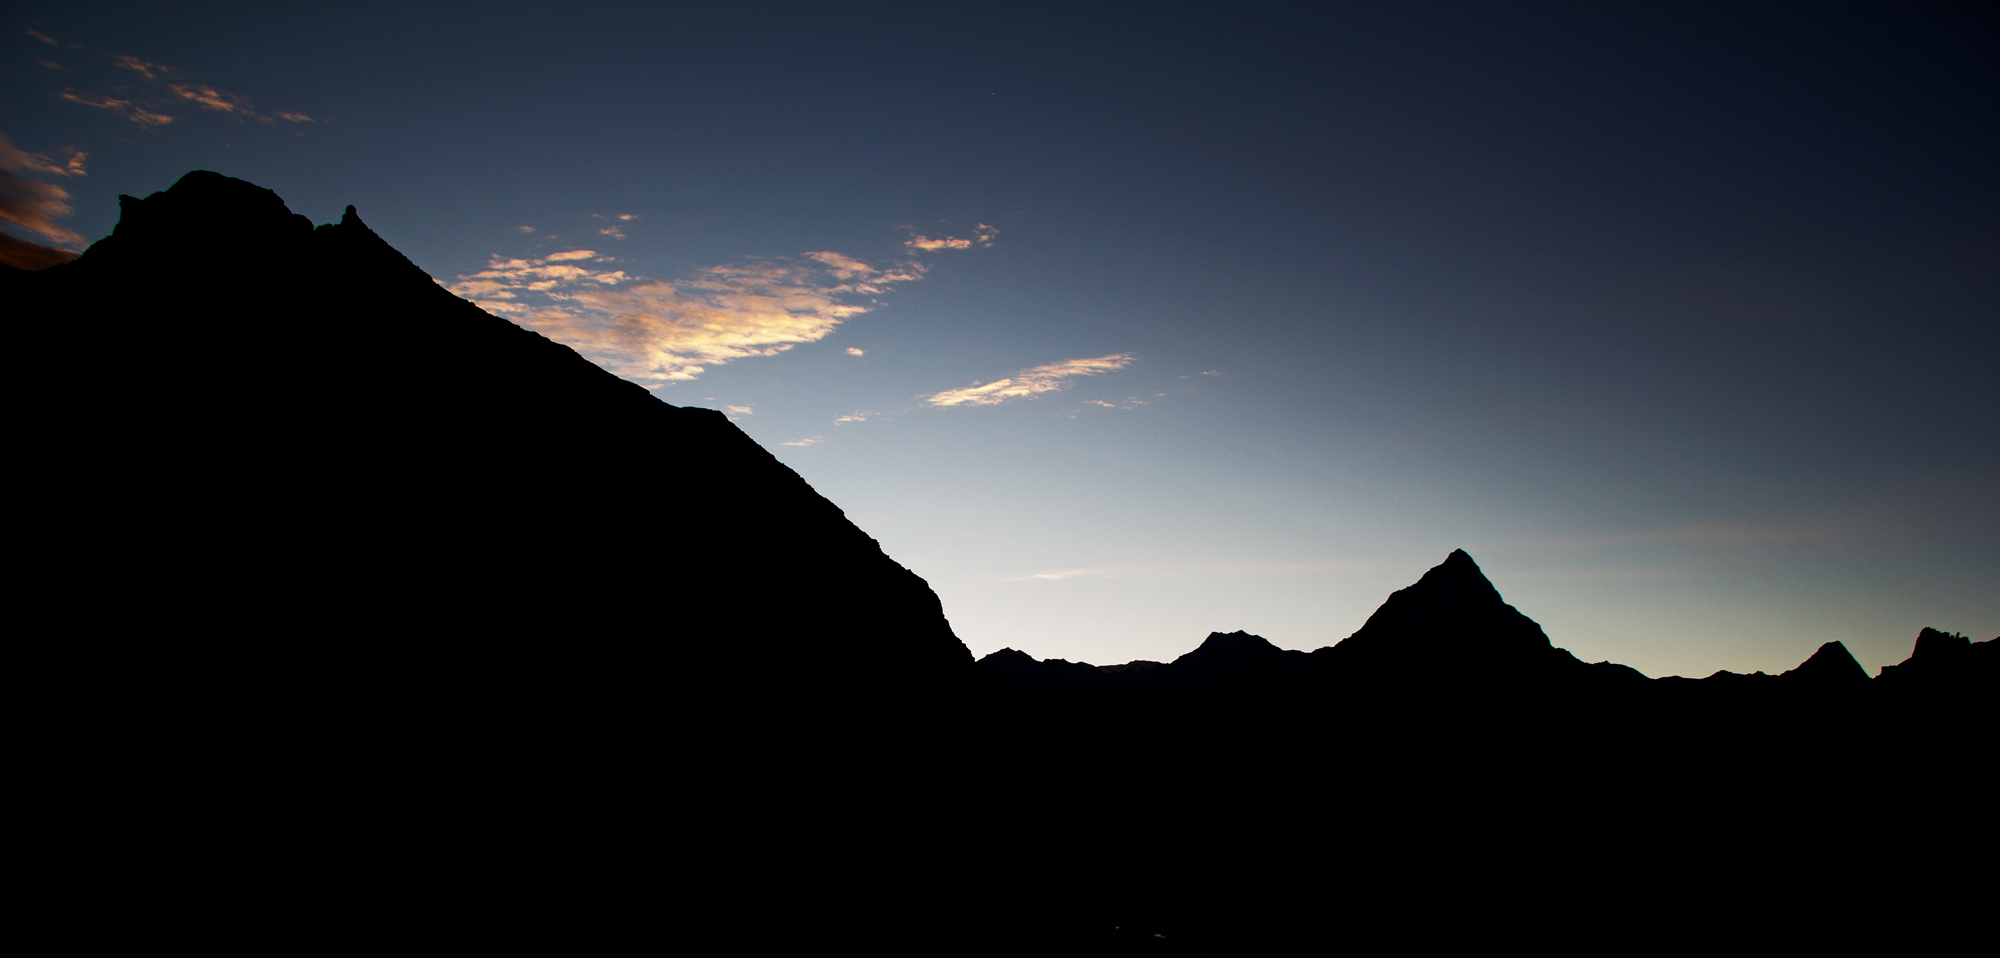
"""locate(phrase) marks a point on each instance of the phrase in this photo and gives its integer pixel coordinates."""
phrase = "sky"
(1122, 324)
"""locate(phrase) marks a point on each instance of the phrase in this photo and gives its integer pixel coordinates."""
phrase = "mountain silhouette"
(348, 583)
(254, 423)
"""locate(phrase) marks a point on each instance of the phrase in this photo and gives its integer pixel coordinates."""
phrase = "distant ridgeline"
(390, 611)
(1453, 628)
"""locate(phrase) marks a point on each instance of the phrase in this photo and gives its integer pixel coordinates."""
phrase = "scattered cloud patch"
(1029, 383)
(151, 71)
(23, 255)
(613, 224)
(862, 416)
(32, 204)
(736, 412)
(855, 351)
(13, 158)
(525, 229)
(172, 87)
(814, 441)
(126, 108)
(210, 98)
(51, 64)
(655, 332)
(1059, 576)
(982, 235)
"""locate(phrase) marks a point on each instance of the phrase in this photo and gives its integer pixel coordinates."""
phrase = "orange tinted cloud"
(31, 204)
(135, 113)
(655, 331)
(982, 235)
(150, 111)
(1029, 383)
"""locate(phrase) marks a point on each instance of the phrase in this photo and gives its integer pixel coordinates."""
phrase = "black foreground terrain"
(424, 628)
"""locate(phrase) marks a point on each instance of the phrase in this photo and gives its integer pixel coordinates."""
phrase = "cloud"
(135, 113)
(151, 71)
(1065, 574)
(1029, 383)
(854, 351)
(51, 64)
(36, 206)
(814, 441)
(656, 332)
(45, 38)
(982, 235)
(32, 204)
(179, 91)
(19, 160)
(862, 416)
(210, 98)
(735, 411)
(611, 229)
(24, 255)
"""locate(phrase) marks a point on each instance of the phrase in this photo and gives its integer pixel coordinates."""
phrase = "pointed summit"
(1831, 665)
(1452, 622)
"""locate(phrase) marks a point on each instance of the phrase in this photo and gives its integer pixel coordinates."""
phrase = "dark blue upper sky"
(1680, 319)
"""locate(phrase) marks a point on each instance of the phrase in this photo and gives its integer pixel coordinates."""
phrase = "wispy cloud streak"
(174, 89)
(31, 204)
(1029, 383)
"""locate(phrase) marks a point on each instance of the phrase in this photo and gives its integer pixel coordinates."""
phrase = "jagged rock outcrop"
(1946, 663)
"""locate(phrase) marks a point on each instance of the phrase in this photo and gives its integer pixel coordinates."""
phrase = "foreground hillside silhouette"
(397, 615)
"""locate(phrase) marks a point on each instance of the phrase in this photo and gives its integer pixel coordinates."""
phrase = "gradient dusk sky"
(1122, 324)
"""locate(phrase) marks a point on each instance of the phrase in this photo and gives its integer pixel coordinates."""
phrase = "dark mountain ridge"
(1453, 628)
(426, 622)
(294, 426)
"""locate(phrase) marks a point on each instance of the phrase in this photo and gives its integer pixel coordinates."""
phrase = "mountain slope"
(306, 442)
